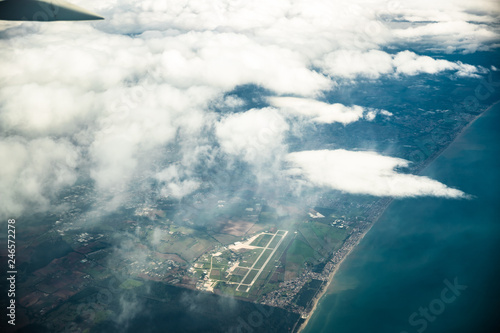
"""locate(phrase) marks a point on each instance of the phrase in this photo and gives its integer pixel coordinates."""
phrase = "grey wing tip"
(44, 10)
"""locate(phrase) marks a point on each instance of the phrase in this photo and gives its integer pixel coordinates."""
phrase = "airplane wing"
(44, 10)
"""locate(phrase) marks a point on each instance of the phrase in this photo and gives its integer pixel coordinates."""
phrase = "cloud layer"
(120, 101)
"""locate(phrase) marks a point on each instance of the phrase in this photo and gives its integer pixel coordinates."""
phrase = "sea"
(429, 264)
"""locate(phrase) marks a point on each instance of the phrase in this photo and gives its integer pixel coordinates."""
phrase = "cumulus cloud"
(325, 113)
(375, 63)
(173, 183)
(255, 135)
(409, 63)
(226, 60)
(33, 172)
(441, 34)
(352, 63)
(364, 173)
(318, 111)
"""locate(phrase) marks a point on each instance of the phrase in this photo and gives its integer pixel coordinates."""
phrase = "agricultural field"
(262, 260)
(187, 243)
(249, 257)
(297, 255)
(130, 284)
(315, 242)
(250, 276)
(275, 241)
(262, 240)
(322, 237)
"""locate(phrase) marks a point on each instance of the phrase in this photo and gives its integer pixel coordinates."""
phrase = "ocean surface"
(429, 265)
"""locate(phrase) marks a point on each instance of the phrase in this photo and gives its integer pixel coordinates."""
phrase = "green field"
(236, 278)
(98, 272)
(263, 258)
(187, 247)
(227, 289)
(130, 284)
(240, 271)
(262, 240)
(311, 237)
(323, 238)
(182, 230)
(275, 241)
(315, 242)
(298, 253)
(215, 274)
(225, 239)
(248, 258)
(250, 276)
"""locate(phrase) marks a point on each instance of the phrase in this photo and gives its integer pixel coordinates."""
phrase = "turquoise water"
(400, 267)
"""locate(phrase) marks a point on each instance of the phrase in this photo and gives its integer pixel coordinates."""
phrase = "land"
(272, 250)
(279, 261)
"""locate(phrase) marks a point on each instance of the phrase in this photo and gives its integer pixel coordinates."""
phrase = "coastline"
(424, 165)
(459, 134)
(320, 295)
(325, 288)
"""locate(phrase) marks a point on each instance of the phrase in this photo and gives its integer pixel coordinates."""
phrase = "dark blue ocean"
(429, 265)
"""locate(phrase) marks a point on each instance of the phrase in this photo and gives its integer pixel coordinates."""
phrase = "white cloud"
(409, 63)
(364, 173)
(256, 135)
(321, 112)
(350, 63)
(318, 111)
(373, 64)
(474, 36)
(173, 184)
(33, 172)
(226, 60)
(386, 113)
(180, 189)
(370, 115)
(37, 109)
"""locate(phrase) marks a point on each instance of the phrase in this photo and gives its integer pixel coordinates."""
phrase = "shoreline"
(320, 295)
(424, 165)
(460, 133)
